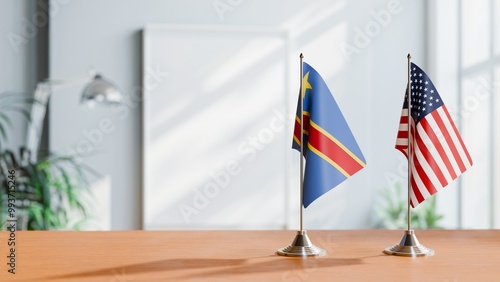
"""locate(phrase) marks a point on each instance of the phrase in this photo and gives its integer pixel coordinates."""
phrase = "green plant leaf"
(393, 211)
(55, 189)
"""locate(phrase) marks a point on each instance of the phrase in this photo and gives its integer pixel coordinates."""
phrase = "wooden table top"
(353, 255)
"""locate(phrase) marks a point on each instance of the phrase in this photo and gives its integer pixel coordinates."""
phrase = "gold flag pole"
(409, 245)
(301, 245)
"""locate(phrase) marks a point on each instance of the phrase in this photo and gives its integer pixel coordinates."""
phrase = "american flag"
(437, 153)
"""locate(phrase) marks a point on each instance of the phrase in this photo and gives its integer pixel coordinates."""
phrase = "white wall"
(368, 85)
(18, 57)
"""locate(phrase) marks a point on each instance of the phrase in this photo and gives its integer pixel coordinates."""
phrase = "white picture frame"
(216, 127)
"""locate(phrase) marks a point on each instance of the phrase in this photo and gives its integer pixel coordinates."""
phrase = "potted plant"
(50, 193)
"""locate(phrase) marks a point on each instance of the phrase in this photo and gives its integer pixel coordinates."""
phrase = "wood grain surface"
(353, 255)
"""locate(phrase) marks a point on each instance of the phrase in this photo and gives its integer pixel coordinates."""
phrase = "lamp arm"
(57, 84)
(38, 110)
(98, 88)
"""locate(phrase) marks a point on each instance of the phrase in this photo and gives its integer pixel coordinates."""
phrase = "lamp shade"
(101, 90)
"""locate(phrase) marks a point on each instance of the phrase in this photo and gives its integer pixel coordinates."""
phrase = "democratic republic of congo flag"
(331, 152)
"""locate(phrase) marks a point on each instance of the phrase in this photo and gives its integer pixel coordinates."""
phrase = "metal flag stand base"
(301, 247)
(409, 247)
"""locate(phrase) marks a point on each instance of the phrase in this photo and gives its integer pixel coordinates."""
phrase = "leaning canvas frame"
(216, 127)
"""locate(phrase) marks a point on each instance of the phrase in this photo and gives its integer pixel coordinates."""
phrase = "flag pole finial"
(409, 56)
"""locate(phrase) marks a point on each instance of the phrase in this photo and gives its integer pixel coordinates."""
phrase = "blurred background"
(202, 136)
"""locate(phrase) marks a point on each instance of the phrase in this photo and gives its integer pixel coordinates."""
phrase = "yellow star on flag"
(305, 84)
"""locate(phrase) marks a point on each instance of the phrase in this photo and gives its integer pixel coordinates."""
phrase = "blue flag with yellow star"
(331, 151)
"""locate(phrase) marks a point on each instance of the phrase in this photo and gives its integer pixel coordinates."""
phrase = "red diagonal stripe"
(296, 130)
(417, 193)
(435, 141)
(431, 161)
(458, 135)
(449, 141)
(423, 176)
(333, 151)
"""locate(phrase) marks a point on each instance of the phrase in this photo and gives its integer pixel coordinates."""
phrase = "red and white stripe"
(402, 139)
(438, 153)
